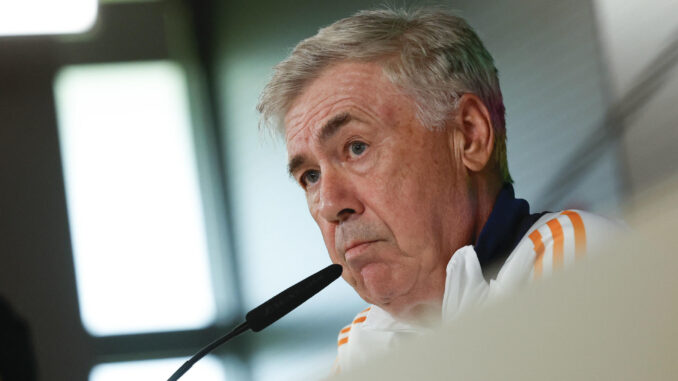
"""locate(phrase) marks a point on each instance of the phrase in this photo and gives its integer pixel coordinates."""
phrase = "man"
(394, 126)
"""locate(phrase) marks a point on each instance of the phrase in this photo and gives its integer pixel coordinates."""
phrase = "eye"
(309, 177)
(357, 147)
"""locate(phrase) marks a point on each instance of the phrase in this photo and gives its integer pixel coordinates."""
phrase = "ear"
(474, 127)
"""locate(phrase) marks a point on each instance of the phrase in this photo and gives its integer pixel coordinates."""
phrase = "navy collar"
(509, 221)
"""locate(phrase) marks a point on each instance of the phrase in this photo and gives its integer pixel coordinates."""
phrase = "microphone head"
(281, 304)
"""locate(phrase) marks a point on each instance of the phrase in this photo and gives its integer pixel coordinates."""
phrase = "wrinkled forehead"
(358, 86)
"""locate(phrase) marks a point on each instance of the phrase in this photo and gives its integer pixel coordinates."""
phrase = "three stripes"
(557, 236)
(362, 316)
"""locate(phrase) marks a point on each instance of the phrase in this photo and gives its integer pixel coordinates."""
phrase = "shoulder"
(556, 241)
(559, 239)
(345, 333)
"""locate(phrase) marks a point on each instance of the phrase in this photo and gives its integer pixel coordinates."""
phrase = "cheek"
(411, 204)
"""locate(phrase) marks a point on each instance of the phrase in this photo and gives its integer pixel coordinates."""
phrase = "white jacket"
(552, 243)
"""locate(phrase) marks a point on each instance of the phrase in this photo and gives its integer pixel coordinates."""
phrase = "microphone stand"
(207, 349)
(270, 311)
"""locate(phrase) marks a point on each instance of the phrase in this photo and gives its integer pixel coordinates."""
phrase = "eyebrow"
(332, 126)
(329, 129)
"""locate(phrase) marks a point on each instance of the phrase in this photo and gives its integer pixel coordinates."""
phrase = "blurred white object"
(31, 17)
(208, 369)
(632, 35)
(134, 203)
(612, 318)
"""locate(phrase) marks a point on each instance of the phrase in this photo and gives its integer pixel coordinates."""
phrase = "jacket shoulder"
(558, 240)
(345, 333)
(343, 340)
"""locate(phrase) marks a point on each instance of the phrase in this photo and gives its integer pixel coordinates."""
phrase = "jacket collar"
(509, 220)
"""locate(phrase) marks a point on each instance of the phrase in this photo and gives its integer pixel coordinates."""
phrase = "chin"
(380, 285)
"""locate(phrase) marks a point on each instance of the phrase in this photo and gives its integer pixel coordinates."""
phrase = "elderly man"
(394, 125)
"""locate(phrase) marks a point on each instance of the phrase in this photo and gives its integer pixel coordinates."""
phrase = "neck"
(423, 314)
(485, 191)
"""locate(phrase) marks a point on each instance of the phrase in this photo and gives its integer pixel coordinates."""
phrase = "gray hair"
(429, 53)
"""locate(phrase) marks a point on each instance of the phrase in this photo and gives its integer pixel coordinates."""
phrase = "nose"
(337, 199)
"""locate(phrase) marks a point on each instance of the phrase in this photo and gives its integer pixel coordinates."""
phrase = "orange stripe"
(535, 236)
(360, 319)
(345, 330)
(343, 341)
(557, 234)
(579, 233)
(366, 309)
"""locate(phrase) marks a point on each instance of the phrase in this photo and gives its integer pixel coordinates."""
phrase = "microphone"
(270, 311)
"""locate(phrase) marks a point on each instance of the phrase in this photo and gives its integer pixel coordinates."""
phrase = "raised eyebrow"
(329, 129)
(294, 164)
(332, 126)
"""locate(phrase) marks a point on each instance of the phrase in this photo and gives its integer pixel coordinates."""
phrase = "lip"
(357, 244)
(354, 253)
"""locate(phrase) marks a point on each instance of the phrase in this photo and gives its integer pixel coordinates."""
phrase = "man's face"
(390, 196)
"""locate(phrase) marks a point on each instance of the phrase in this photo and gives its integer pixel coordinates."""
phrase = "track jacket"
(513, 249)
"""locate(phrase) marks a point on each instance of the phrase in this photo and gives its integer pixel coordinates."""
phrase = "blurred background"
(142, 213)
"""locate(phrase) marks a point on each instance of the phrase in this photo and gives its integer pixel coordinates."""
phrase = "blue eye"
(310, 177)
(357, 147)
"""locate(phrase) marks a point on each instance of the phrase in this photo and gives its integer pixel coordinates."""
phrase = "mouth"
(354, 253)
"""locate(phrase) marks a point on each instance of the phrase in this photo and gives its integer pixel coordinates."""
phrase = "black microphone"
(270, 311)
